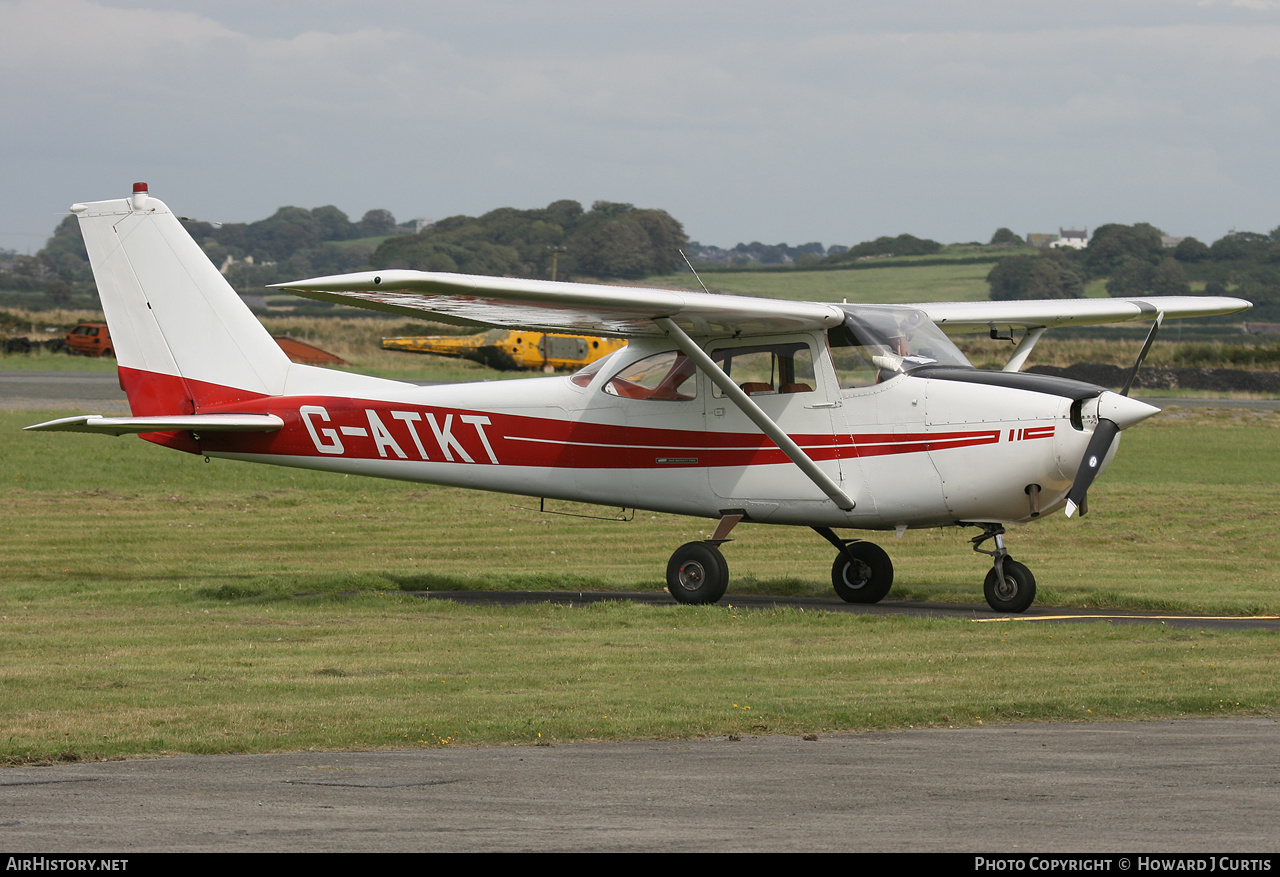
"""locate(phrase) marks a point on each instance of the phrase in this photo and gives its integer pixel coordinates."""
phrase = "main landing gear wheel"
(1017, 592)
(697, 573)
(865, 580)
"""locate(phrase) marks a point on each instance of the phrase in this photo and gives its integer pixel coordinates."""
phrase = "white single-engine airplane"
(721, 406)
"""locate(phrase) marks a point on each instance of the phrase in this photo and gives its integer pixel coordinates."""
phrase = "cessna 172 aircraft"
(723, 407)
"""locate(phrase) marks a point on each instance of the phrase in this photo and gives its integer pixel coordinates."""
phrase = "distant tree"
(615, 249)
(1169, 278)
(902, 245)
(566, 212)
(1055, 277)
(1191, 250)
(1011, 277)
(1005, 237)
(1113, 245)
(1240, 246)
(1048, 275)
(58, 292)
(666, 238)
(610, 209)
(331, 224)
(1133, 276)
(64, 253)
(374, 223)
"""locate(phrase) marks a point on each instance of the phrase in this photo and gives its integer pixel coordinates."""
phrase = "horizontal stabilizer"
(99, 425)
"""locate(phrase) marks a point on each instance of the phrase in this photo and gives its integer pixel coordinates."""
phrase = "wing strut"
(1023, 350)
(700, 358)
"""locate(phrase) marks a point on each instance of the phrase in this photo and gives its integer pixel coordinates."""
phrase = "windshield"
(896, 340)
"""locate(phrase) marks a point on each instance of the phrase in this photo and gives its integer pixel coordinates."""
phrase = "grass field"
(150, 602)
(890, 285)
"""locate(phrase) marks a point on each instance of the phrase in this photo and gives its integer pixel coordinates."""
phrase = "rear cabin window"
(769, 369)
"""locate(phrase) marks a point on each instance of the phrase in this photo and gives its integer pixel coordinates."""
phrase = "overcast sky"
(775, 121)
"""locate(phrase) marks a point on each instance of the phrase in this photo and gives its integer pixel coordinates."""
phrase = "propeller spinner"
(1114, 412)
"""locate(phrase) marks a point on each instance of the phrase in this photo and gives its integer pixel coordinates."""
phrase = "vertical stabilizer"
(183, 338)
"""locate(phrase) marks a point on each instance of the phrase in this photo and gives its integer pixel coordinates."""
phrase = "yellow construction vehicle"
(510, 349)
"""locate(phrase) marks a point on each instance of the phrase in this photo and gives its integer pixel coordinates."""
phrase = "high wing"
(630, 311)
(550, 306)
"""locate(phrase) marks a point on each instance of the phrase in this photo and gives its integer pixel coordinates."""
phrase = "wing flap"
(99, 425)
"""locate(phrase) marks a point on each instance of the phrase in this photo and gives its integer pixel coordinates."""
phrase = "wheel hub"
(692, 575)
(857, 574)
(1008, 589)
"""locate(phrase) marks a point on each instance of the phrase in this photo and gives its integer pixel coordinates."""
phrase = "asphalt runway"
(1203, 785)
(1206, 785)
(77, 392)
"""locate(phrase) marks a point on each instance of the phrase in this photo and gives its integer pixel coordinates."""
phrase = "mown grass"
(384, 670)
(150, 602)
(1186, 478)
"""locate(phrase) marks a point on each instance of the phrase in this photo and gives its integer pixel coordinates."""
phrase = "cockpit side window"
(667, 376)
(852, 361)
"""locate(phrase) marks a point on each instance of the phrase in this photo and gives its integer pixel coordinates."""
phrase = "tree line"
(614, 240)
(610, 241)
(1133, 261)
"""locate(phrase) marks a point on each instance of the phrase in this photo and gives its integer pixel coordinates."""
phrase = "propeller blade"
(1094, 454)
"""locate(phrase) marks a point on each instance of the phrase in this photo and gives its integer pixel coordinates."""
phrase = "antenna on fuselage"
(695, 272)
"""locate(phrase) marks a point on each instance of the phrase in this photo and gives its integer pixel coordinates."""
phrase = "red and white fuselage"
(786, 412)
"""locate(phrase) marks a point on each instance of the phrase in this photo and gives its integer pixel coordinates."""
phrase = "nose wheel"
(1012, 592)
(1009, 586)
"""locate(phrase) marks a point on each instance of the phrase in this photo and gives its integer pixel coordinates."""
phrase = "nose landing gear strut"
(1009, 586)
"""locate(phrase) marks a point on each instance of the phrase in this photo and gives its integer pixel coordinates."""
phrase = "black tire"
(1019, 590)
(868, 580)
(697, 573)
